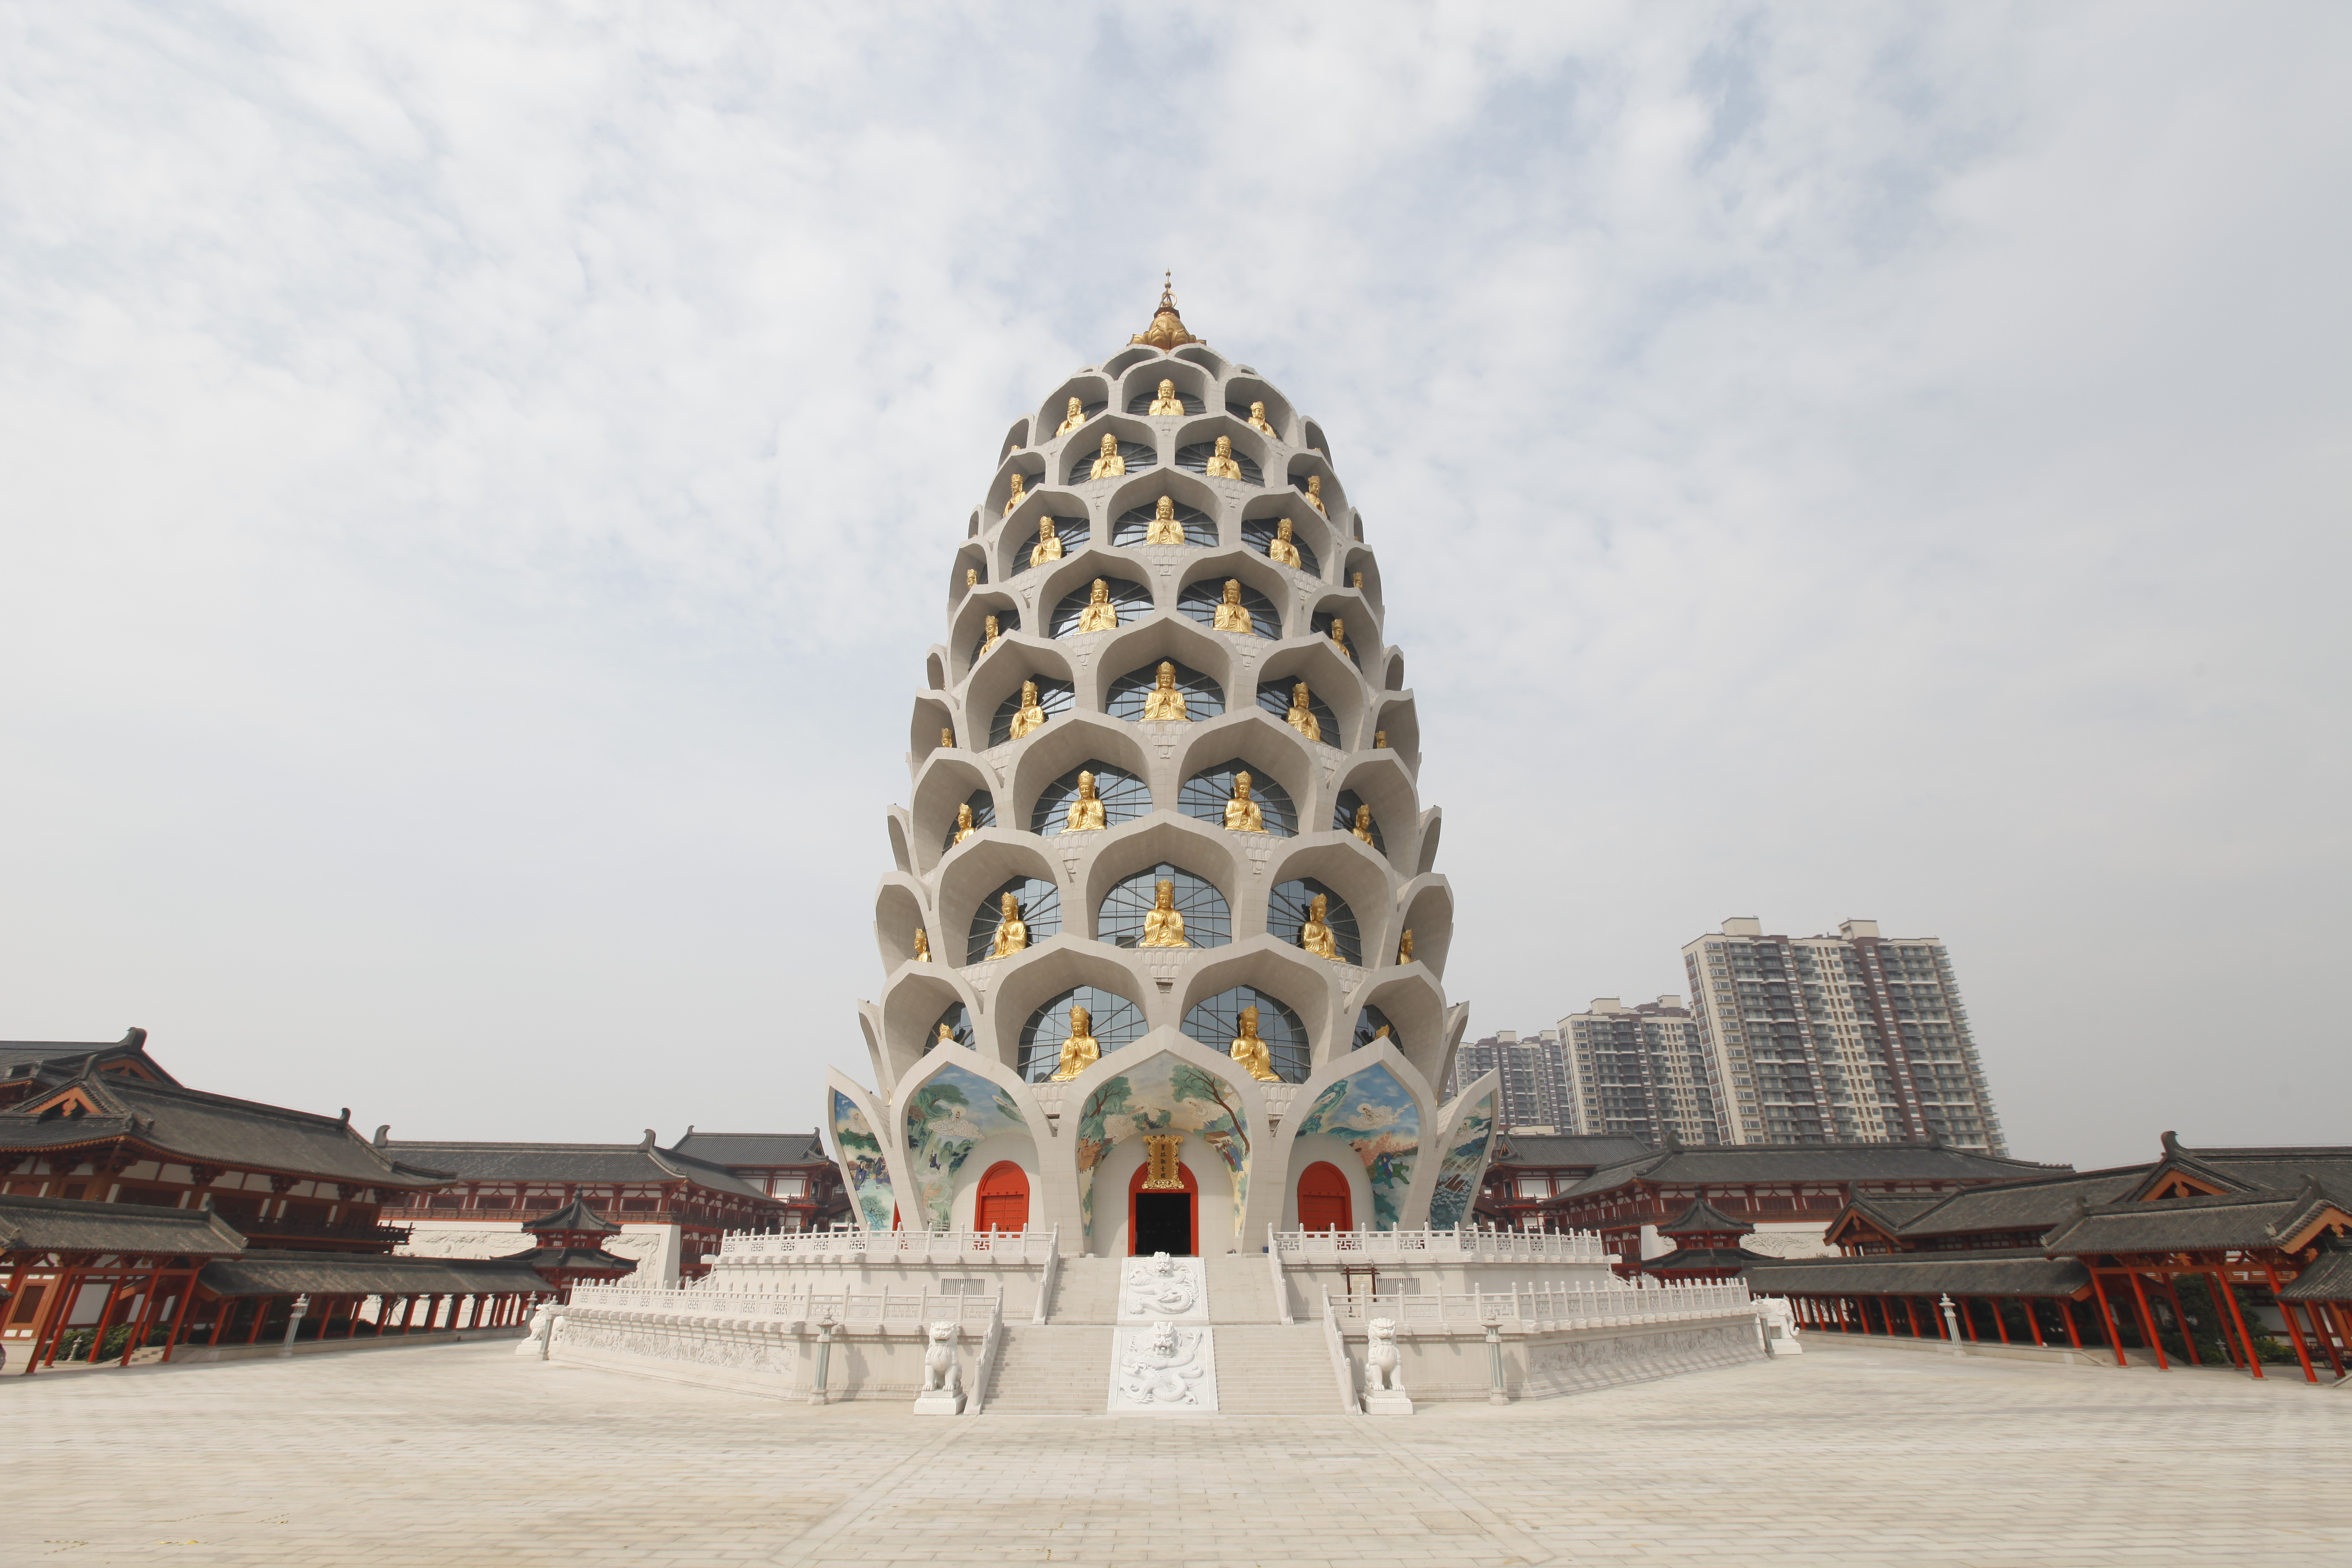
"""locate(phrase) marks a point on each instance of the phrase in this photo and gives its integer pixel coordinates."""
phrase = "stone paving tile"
(457, 1456)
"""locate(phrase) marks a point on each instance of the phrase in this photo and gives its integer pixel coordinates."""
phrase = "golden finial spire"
(1167, 329)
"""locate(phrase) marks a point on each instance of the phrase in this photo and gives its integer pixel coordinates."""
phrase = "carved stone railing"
(984, 1367)
(746, 1248)
(704, 1305)
(1045, 1283)
(1536, 1309)
(1281, 1286)
(1337, 1343)
(1460, 1245)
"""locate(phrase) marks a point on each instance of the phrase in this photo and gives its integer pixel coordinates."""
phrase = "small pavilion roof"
(2007, 1272)
(1733, 1259)
(574, 1215)
(68, 1224)
(1704, 1218)
(2327, 1278)
(592, 1259)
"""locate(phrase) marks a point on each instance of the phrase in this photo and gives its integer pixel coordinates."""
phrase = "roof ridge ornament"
(1167, 330)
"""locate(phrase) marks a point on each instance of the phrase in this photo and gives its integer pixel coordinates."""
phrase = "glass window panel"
(1259, 532)
(1041, 910)
(1008, 621)
(1137, 455)
(1125, 797)
(1217, 1022)
(1208, 920)
(983, 815)
(1199, 528)
(1073, 531)
(1204, 794)
(956, 1021)
(1132, 601)
(1343, 817)
(1202, 697)
(1274, 698)
(1055, 697)
(1199, 601)
(1115, 1021)
(1194, 458)
(1286, 914)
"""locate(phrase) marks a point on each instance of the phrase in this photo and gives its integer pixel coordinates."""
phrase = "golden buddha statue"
(1049, 544)
(1251, 1051)
(1301, 717)
(1110, 465)
(1079, 1052)
(946, 1036)
(1314, 494)
(991, 633)
(1016, 497)
(1358, 582)
(1379, 740)
(964, 827)
(1339, 634)
(1165, 403)
(1100, 615)
(1243, 815)
(1073, 416)
(1163, 701)
(1011, 931)
(1086, 812)
(1164, 923)
(1029, 715)
(1404, 947)
(1257, 419)
(1167, 330)
(1221, 462)
(971, 576)
(1281, 548)
(1381, 1033)
(922, 945)
(1313, 935)
(1364, 828)
(1232, 615)
(1164, 528)
(947, 740)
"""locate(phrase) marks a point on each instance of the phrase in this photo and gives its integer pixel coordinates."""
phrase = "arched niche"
(1352, 813)
(968, 631)
(1016, 438)
(1280, 755)
(1329, 675)
(935, 670)
(1160, 840)
(968, 558)
(1055, 696)
(974, 814)
(1145, 644)
(1093, 393)
(1352, 872)
(1312, 437)
(972, 875)
(1202, 355)
(1263, 532)
(1433, 828)
(1128, 600)
(911, 1010)
(1215, 1022)
(1379, 781)
(1128, 358)
(1279, 696)
(1396, 719)
(1392, 673)
(1207, 791)
(1304, 985)
(1244, 390)
(1125, 797)
(1024, 532)
(1306, 465)
(1115, 1021)
(1029, 465)
(931, 717)
(1123, 916)
(1319, 544)
(952, 1027)
(1131, 525)
(898, 914)
(1129, 695)
(1359, 633)
(1359, 563)
(1063, 747)
(1137, 449)
(1036, 899)
(1203, 600)
(1196, 443)
(1373, 1023)
(1140, 388)
(1427, 906)
(1410, 1000)
(1290, 906)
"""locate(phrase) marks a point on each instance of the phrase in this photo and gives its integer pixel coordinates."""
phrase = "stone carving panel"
(1162, 1367)
(1162, 1288)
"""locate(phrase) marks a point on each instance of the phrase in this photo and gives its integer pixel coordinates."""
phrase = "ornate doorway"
(1323, 1200)
(1163, 1205)
(1002, 1202)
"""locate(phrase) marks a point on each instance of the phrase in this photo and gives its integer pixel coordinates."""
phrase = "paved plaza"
(465, 1455)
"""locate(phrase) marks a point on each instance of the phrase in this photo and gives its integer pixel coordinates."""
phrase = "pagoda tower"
(1163, 942)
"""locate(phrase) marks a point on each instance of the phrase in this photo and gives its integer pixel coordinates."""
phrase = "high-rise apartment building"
(1641, 1071)
(1851, 1038)
(1534, 1078)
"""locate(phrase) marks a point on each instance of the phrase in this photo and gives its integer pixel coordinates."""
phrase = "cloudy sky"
(475, 483)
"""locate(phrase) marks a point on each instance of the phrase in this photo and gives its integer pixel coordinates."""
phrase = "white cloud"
(478, 481)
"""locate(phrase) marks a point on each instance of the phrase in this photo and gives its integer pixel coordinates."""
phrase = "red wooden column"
(1992, 1305)
(2108, 1317)
(2147, 1323)
(2180, 1316)
(138, 1335)
(260, 1316)
(179, 1318)
(2066, 1311)
(1911, 1312)
(2230, 1297)
(2319, 1333)
(44, 1351)
(2294, 1331)
(2032, 1319)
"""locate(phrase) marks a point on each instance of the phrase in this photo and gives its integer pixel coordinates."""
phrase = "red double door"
(1323, 1200)
(1002, 1202)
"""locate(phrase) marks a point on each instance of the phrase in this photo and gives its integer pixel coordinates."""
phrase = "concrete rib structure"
(1354, 1097)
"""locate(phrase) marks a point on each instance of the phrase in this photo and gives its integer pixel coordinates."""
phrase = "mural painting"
(953, 1112)
(1375, 1113)
(861, 1158)
(1164, 1095)
(1457, 1172)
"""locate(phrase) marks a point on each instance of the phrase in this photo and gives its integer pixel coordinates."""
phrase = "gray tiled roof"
(2013, 1271)
(1550, 1151)
(748, 1150)
(578, 1163)
(2257, 1219)
(574, 1215)
(2253, 1170)
(1702, 1216)
(2015, 1205)
(1742, 1163)
(350, 1274)
(62, 1058)
(194, 1127)
(66, 1225)
(2327, 1278)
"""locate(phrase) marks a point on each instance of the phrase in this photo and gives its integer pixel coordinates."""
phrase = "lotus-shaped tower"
(1163, 941)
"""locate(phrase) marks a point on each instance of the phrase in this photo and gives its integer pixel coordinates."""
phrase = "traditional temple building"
(1528, 1169)
(35, 1067)
(791, 1167)
(1706, 1246)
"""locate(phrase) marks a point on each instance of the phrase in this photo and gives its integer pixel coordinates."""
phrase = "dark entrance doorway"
(1163, 1223)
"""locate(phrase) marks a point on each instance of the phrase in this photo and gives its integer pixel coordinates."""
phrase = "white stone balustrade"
(721, 1307)
(1459, 1245)
(1542, 1309)
(956, 1247)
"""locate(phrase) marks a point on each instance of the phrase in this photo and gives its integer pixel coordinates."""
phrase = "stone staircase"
(1088, 1293)
(1045, 1369)
(1266, 1369)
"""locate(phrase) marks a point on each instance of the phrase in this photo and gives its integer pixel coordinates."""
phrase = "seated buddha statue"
(1029, 716)
(946, 1036)
(991, 633)
(964, 827)
(1075, 417)
(947, 740)
(1164, 701)
(1049, 544)
(1100, 615)
(1404, 947)
(1086, 812)
(1257, 419)
(1232, 615)
(1220, 463)
(1314, 494)
(1164, 528)
(1110, 465)
(1339, 633)
(1282, 548)
(1243, 815)
(1015, 497)
(922, 945)
(1358, 582)
(1165, 403)
(1364, 828)
(1251, 1051)
(1381, 1033)
(1079, 1052)
(971, 576)
(1164, 923)
(1301, 717)
(1313, 935)
(1379, 740)
(1011, 931)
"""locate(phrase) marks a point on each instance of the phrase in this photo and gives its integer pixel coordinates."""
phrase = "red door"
(1323, 1202)
(1004, 1200)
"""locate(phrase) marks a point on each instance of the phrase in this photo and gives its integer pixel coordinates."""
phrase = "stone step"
(1047, 1369)
(1241, 1290)
(1087, 1292)
(1267, 1369)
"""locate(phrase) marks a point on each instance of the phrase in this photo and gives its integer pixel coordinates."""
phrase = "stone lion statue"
(1383, 1371)
(941, 1375)
(542, 1332)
